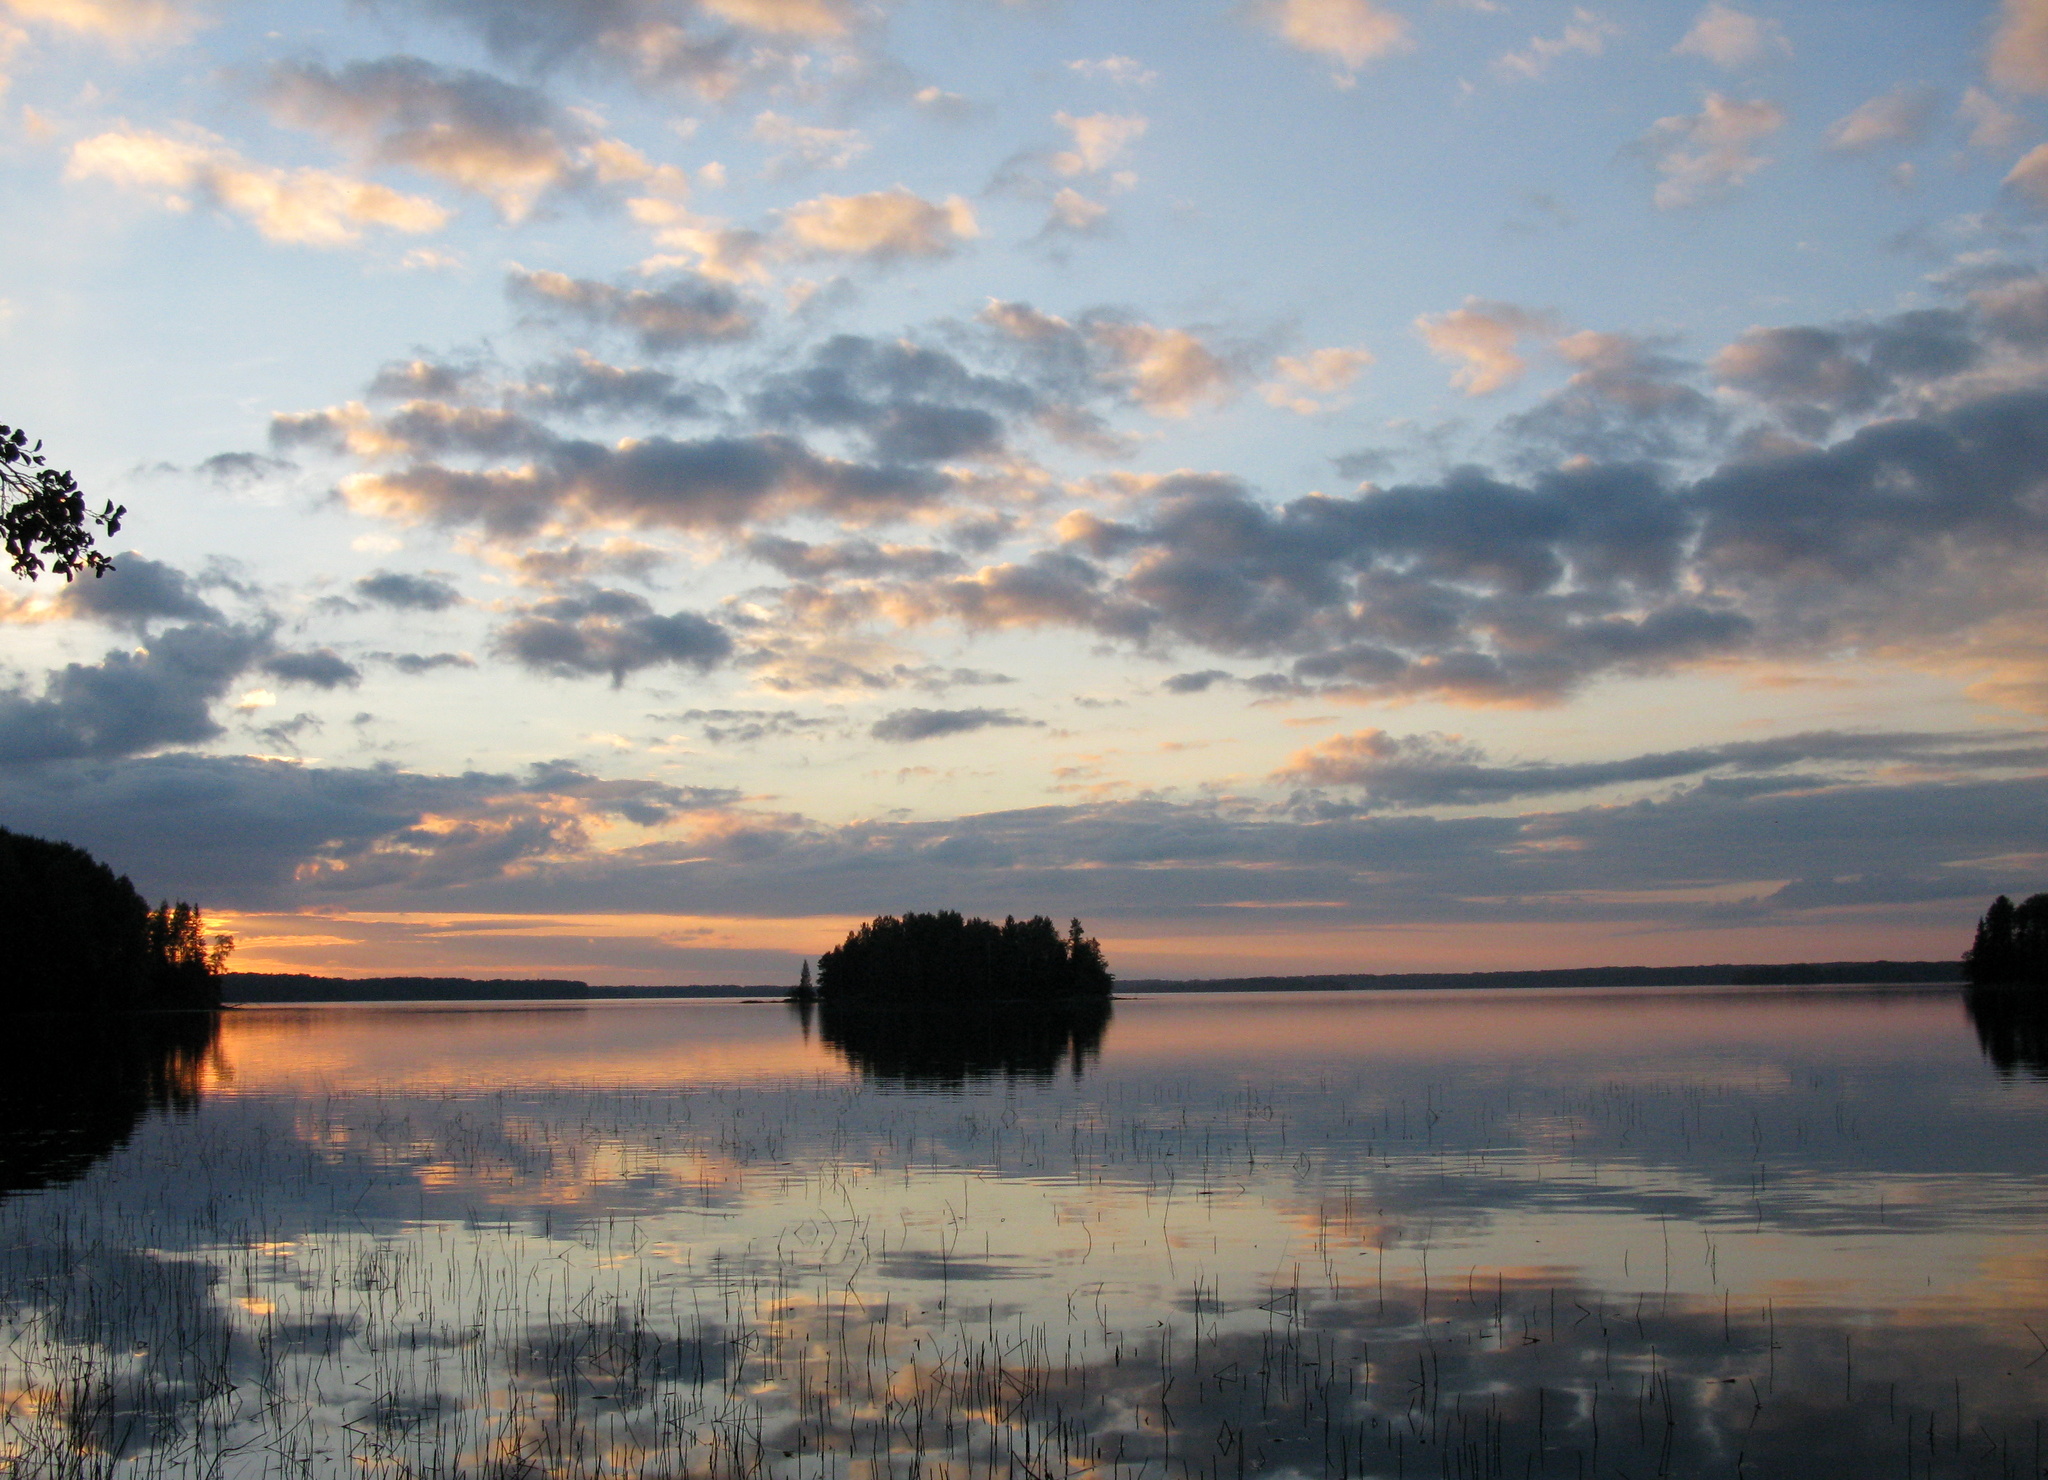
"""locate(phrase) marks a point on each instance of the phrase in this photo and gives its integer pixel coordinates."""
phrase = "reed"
(595, 1283)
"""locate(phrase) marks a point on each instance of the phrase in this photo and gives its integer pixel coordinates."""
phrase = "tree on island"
(944, 957)
(83, 940)
(43, 517)
(2011, 945)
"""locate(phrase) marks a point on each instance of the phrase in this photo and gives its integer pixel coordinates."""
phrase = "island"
(936, 1000)
(945, 957)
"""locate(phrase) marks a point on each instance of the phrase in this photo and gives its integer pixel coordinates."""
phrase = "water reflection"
(2012, 1026)
(945, 1047)
(75, 1088)
(1799, 1233)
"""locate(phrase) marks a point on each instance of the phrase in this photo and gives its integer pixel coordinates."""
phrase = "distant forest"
(287, 986)
(945, 957)
(81, 939)
(276, 987)
(1787, 974)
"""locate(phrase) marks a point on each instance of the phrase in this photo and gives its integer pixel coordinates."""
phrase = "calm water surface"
(1777, 1233)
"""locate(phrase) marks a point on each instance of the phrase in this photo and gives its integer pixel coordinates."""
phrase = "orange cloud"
(307, 207)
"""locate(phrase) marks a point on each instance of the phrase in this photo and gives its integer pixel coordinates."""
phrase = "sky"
(626, 489)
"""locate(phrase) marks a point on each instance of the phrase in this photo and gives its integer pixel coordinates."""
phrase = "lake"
(1783, 1232)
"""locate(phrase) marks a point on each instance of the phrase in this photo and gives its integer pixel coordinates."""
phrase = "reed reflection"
(769, 1373)
(920, 1045)
(2012, 1028)
(77, 1087)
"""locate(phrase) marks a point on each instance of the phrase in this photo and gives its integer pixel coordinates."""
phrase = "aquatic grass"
(1179, 1278)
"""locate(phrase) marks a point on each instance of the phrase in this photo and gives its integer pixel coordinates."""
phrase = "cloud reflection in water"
(1537, 1234)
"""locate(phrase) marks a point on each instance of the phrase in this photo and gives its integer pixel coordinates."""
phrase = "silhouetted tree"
(184, 964)
(2011, 944)
(80, 939)
(945, 957)
(43, 517)
(804, 992)
(1085, 962)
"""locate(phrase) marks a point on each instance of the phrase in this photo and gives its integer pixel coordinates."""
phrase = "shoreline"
(267, 990)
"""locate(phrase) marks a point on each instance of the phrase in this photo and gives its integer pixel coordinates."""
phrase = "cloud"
(1586, 33)
(1100, 139)
(1901, 116)
(687, 310)
(119, 21)
(1626, 398)
(409, 380)
(156, 696)
(1125, 71)
(241, 469)
(1705, 156)
(245, 832)
(1074, 212)
(801, 147)
(808, 18)
(579, 384)
(614, 632)
(1488, 591)
(914, 404)
(136, 592)
(947, 107)
(857, 558)
(1298, 380)
(1732, 38)
(906, 725)
(881, 225)
(576, 562)
(2015, 310)
(2029, 178)
(712, 248)
(1195, 683)
(1353, 32)
(1168, 371)
(707, 483)
(322, 668)
(2019, 51)
(1901, 500)
(714, 47)
(1443, 771)
(1486, 335)
(1601, 547)
(307, 207)
(1992, 124)
(425, 662)
(406, 592)
(505, 142)
(747, 726)
(1813, 375)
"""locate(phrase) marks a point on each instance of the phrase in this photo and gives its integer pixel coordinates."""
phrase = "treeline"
(1787, 974)
(81, 939)
(2011, 944)
(945, 957)
(292, 986)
